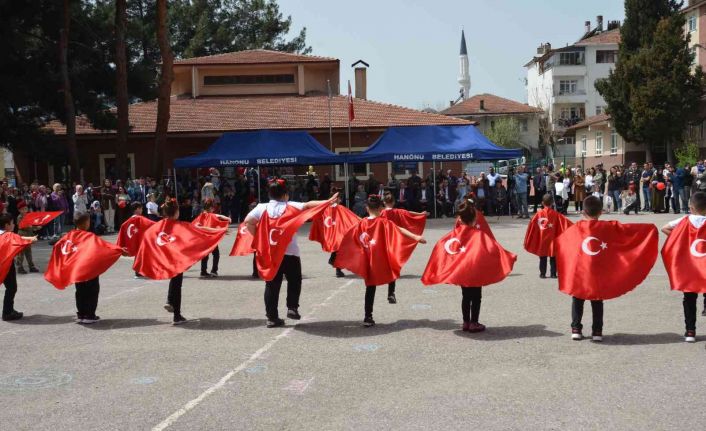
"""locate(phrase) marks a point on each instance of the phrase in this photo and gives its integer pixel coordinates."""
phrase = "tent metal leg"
(259, 199)
(433, 174)
(346, 186)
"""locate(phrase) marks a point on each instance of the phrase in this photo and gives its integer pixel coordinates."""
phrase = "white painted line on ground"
(244, 365)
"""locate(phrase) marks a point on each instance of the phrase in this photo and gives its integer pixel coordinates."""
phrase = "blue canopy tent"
(262, 148)
(433, 143)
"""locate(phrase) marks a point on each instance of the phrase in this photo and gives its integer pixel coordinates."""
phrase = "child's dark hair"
(467, 211)
(277, 189)
(135, 205)
(698, 201)
(81, 218)
(547, 200)
(5, 219)
(388, 198)
(208, 204)
(374, 202)
(592, 206)
(170, 208)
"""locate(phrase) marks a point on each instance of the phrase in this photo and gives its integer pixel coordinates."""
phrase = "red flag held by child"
(684, 256)
(206, 219)
(242, 246)
(170, 247)
(481, 224)
(544, 227)
(328, 227)
(402, 218)
(599, 260)
(274, 235)
(11, 245)
(38, 218)
(80, 256)
(376, 250)
(131, 233)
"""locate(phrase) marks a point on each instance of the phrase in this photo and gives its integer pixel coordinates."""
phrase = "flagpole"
(330, 128)
(350, 104)
(259, 199)
(433, 174)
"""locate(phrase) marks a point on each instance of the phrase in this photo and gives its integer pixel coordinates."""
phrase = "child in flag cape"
(132, 229)
(26, 232)
(80, 257)
(329, 227)
(412, 221)
(588, 250)
(274, 226)
(209, 219)
(11, 245)
(470, 258)
(684, 256)
(541, 232)
(376, 249)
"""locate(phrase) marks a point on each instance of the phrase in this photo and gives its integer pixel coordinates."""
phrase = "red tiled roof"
(233, 113)
(254, 56)
(603, 38)
(589, 121)
(493, 105)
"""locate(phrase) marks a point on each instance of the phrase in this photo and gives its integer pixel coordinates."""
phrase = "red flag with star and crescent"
(599, 260)
(468, 257)
(80, 256)
(329, 227)
(274, 235)
(211, 220)
(376, 250)
(170, 247)
(38, 218)
(131, 232)
(684, 256)
(351, 111)
(480, 224)
(242, 246)
(544, 227)
(11, 245)
(403, 218)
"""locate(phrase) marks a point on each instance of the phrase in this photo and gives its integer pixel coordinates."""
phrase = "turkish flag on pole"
(80, 256)
(170, 247)
(39, 218)
(329, 227)
(599, 260)
(468, 257)
(242, 246)
(274, 235)
(544, 227)
(131, 233)
(211, 220)
(11, 245)
(480, 224)
(403, 218)
(351, 112)
(376, 250)
(684, 256)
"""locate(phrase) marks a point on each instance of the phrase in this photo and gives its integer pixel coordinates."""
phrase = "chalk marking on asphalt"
(244, 365)
(298, 387)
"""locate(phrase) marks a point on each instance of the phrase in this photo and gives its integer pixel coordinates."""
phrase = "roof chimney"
(599, 23)
(587, 26)
(361, 84)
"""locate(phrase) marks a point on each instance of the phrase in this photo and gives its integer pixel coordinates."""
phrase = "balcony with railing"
(561, 124)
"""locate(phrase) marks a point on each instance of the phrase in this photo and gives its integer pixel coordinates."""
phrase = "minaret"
(464, 76)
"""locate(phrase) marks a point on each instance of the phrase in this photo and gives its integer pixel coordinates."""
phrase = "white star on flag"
(604, 245)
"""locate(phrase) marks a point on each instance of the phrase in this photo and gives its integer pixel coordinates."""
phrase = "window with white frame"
(567, 86)
(584, 150)
(599, 110)
(570, 58)
(599, 143)
(613, 142)
(606, 56)
(360, 170)
(692, 23)
(524, 125)
(404, 170)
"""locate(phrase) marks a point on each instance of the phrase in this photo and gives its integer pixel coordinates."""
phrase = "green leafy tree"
(654, 91)
(687, 154)
(505, 133)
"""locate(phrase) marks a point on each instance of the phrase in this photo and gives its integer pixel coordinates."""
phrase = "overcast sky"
(412, 46)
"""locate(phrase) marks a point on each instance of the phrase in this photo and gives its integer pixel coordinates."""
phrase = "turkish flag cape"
(170, 247)
(480, 224)
(80, 256)
(604, 259)
(544, 227)
(403, 218)
(274, 235)
(243, 242)
(684, 256)
(468, 257)
(131, 233)
(211, 220)
(11, 245)
(376, 250)
(328, 227)
(38, 218)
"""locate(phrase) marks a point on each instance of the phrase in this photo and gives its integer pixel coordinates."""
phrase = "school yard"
(415, 370)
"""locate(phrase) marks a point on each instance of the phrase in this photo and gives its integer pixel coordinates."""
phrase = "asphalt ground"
(415, 370)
